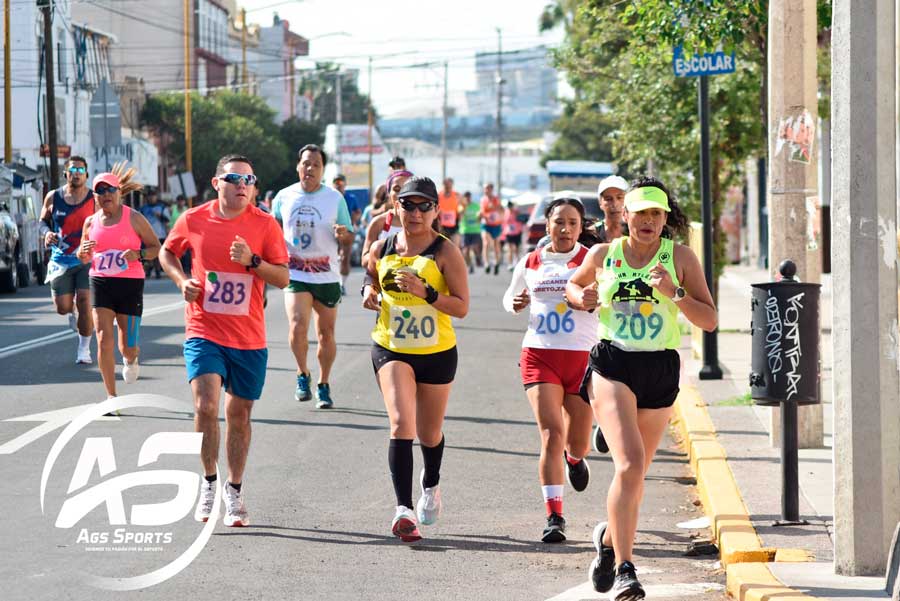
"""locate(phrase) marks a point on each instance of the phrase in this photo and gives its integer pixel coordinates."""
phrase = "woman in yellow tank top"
(637, 284)
(417, 281)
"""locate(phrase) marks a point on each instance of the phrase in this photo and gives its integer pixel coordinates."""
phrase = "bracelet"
(143, 254)
(431, 295)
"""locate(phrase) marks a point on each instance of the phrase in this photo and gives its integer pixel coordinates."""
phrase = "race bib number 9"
(227, 293)
(109, 262)
(413, 327)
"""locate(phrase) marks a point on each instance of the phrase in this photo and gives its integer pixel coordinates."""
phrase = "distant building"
(278, 47)
(531, 82)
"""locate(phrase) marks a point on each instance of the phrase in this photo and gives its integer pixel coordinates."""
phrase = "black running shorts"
(652, 376)
(124, 296)
(435, 368)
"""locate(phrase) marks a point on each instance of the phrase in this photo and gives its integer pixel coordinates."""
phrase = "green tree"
(321, 85)
(222, 123)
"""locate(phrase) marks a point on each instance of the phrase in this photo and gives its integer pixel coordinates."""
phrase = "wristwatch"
(680, 293)
(255, 260)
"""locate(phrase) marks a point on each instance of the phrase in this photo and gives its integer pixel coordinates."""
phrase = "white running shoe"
(404, 525)
(130, 371)
(83, 357)
(207, 498)
(428, 509)
(235, 512)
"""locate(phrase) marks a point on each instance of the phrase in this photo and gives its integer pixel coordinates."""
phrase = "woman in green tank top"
(637, 284)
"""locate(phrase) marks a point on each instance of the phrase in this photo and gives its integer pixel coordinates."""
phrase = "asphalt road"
(317, 483)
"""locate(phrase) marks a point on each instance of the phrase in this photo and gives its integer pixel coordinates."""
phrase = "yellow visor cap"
(648, 197)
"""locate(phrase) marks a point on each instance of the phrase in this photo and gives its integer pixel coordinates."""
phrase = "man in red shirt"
(491, 227)
(237, 249)
(448, 205)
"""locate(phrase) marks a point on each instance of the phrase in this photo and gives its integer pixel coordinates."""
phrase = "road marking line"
(28, 345)
(586, 592)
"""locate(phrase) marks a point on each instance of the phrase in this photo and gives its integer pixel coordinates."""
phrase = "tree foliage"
(321, 85)
(223, 123)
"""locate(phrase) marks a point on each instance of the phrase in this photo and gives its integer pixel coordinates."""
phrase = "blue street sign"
(710, 63)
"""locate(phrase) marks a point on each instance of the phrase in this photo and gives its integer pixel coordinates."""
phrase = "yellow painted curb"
(755, 582)
(722, 501)
(748, 577)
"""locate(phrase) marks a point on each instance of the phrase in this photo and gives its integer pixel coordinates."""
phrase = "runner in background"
(158, 215)
(339, 183)
(315, 222)
(237, 249)
(388, 222)
(491, 228)
(512, 233)
(111, 243)
(470, 228)
(449, 206)
(62, 224)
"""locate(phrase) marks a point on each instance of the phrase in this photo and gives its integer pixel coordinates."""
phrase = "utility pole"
(370, 120)
(444, 130)
(188, 151)
(7, 87)
(337, 96)
(710, 369)
(51, 93)
(499, 113)
(244, 77)
(791, 175)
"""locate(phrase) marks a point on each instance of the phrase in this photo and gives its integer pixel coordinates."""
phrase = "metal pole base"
(790, 523)
(711, 372)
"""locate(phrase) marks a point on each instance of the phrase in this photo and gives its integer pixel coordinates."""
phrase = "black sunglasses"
(409, 205)
(102, 189)
(235, 178)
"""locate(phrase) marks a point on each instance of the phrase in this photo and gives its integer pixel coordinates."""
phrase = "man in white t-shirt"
(315, 222)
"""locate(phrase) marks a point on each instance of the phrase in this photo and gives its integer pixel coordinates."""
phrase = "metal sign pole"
(710, 369)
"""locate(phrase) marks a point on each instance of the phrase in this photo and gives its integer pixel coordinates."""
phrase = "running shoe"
(130, 371)
(579, 474)
(471, 268)
(303, 393)
(626, 586)
(83, 356)
(599, 441)
(555, 532)
(603, 568)
(235, 512)
(207, 498)
(428, 509)
(323, 396)
(487, 268)
(404, 525)
(73, 322)
(496, 268)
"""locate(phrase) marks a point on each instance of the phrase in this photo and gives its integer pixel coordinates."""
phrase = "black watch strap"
(431, 295)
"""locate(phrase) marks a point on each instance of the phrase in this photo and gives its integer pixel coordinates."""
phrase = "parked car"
(536, 227)
(9, 251)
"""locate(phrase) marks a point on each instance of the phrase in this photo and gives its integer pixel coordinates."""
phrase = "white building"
(81, 61)
(278, 48)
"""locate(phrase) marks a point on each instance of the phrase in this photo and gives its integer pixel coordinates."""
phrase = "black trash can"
(785, 330)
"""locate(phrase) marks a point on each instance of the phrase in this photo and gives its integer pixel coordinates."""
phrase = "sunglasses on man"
(409, 205)
(236, 178)
(77, 169)
(104, 189)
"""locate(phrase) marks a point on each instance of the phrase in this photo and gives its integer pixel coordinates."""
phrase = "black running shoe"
(599, 441)
(603, 568)
(555, 532)
(626, 586)
(496, 268)
(578, 475)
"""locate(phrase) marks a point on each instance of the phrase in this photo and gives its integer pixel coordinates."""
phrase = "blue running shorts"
(243, 372)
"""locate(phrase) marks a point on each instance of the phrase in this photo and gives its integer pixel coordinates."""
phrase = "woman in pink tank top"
(112, 243)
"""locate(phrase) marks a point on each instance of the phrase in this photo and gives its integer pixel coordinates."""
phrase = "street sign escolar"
(709, 63)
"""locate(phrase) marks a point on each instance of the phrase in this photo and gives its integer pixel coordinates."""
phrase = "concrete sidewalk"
(742, 430)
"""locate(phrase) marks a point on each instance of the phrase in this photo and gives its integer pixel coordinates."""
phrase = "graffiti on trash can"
(773, 336)
(793, 354)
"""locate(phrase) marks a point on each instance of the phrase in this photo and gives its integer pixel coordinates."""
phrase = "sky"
(400, 33)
